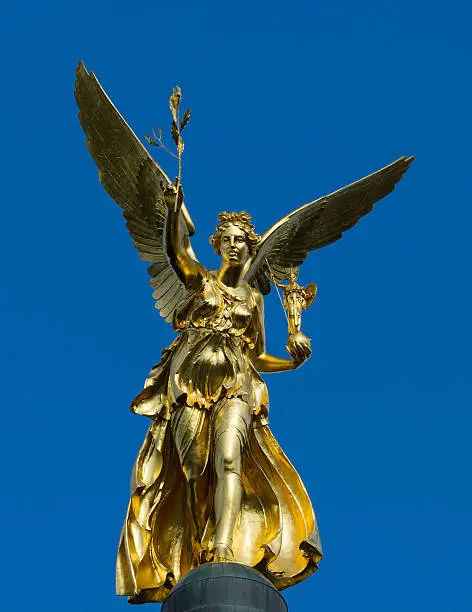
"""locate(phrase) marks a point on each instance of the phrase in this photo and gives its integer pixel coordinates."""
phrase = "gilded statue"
(210, 481)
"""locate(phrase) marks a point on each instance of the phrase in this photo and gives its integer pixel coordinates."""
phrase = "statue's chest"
(223, 308)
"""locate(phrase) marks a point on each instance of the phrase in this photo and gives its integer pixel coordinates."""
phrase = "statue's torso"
(210, 358)
(215, 307)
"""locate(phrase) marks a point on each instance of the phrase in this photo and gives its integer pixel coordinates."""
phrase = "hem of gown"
(280, 582)
(129, 573)
(260, 412)
(165, 391)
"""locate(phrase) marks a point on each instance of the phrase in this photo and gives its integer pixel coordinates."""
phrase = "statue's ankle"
(222, 552)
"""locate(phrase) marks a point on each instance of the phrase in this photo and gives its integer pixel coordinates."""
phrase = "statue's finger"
(295, 352)
(304, 352)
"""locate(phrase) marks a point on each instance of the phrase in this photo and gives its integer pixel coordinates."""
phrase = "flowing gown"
(207, 363)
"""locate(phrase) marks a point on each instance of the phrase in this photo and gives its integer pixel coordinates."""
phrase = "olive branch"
(176, 129)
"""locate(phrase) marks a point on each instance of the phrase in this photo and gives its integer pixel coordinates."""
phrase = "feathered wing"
(134, 180)
(316, 224)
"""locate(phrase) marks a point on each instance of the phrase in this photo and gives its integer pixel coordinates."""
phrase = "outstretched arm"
(190, 269)
(262, 361)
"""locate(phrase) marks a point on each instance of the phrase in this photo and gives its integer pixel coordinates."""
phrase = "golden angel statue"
(210, 481)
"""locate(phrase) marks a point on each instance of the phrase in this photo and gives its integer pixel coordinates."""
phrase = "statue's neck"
(230, 275)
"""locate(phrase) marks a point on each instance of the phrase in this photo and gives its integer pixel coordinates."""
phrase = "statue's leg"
(190, 432)
(231, 421)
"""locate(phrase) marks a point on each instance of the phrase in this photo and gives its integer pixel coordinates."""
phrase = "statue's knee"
(230, 463)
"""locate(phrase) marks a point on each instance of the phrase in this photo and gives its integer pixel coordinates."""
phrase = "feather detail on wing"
(135, 181)
(316, 224)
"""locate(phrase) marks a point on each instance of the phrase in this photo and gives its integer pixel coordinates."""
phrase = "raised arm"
(189, 268)
(137, 184)
(262, 361)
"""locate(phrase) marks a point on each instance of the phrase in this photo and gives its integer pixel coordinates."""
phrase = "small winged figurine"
(210, 482)
(296, 299)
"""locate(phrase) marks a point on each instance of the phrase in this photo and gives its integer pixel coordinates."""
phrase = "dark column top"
(224, 587)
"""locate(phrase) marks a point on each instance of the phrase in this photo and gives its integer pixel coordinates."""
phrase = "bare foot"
(222, 552)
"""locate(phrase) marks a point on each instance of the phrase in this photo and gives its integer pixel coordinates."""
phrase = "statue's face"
(233, 246)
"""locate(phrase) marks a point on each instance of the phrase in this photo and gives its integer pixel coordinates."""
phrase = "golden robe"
(209, 361)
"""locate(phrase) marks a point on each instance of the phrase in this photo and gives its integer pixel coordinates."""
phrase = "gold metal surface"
(296, 299)
(210, 482)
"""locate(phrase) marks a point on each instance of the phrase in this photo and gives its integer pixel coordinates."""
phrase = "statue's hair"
(241, 220)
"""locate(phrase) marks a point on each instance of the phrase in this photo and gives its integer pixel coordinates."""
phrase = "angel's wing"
(316, 224)
(134, 180)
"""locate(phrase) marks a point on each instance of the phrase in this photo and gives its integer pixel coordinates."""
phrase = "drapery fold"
(276, 531)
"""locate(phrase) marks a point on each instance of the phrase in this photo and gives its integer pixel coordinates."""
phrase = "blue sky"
(290, 101)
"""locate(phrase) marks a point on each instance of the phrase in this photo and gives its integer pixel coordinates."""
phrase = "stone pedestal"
(224, 587)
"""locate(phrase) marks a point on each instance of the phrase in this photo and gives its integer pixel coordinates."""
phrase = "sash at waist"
(236, 335)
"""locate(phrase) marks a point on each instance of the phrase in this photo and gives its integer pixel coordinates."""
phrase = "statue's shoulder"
(257, 295)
